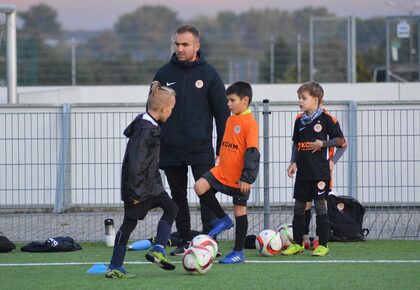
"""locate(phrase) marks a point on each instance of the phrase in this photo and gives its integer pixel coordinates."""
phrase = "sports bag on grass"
(175, 240)
(57, 244)
(5, 244)
(346, 219)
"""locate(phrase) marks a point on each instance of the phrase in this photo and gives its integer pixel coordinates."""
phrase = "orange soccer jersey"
(241, 133)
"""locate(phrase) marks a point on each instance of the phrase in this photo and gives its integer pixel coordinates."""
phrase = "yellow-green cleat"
(321, 251)
(293, 249)
(117, 274)
(160, 259)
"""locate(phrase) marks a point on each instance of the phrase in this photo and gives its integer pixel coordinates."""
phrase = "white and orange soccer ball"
(207, 242)
(197, 260)
(268, 243)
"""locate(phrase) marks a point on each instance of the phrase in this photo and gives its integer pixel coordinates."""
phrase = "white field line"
(248, 262)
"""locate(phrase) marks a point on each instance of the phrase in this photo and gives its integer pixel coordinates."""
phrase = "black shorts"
(239, 198)
(139, 211)
(308, 190)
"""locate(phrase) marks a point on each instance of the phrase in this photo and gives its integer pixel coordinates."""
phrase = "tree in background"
(371, 45)
(237, 44)
(146, 32)
(259, 25)
(302, 17)
(363, 71)
(283, 58)
(285, 54)
(40, 19)
(43, 58)
(105, 46)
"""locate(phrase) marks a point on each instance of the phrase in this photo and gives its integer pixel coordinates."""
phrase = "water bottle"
(109, 232)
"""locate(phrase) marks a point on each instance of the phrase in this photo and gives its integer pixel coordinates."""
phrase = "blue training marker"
(97, 269)
(139, 245)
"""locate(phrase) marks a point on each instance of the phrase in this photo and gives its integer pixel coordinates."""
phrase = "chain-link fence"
(60, 169)
(98, 58)
(332, 49)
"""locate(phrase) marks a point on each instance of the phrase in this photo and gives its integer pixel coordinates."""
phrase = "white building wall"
(275, 92)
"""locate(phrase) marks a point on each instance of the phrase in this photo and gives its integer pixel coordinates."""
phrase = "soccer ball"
(197, 260)
(206, 242)
(286, 234)
(268, 243)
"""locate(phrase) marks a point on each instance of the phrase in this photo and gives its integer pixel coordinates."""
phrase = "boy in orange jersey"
(314, 132)
(236, 171)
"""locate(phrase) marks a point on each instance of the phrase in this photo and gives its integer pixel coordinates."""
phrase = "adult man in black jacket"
(186, 138)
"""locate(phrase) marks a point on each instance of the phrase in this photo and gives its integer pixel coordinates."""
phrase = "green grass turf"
(240, 276)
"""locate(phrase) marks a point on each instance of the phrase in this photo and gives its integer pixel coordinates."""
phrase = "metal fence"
(60, 169)
(332, 49)
(98, 58)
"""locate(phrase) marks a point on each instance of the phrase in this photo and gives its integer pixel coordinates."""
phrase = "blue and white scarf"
(306, 119)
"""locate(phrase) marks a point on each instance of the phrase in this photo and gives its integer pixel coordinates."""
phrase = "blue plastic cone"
(97, 269)
(140, 245)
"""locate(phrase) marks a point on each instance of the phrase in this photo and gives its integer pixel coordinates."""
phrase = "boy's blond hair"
(159, 96)
(314, 89)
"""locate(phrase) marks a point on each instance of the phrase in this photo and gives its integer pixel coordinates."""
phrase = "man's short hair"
(188, 28)
(241, 89)
(314, 89)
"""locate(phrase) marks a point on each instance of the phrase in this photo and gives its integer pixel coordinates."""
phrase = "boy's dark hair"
(314, 89)
(241, 89)
(188, 28)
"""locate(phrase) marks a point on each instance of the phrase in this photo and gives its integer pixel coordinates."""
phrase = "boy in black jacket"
(141, 183)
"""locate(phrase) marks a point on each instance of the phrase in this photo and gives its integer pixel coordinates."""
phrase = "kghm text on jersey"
(230, 146)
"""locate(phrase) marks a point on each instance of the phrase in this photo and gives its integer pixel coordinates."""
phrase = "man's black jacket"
(200, 97)
(140, 177)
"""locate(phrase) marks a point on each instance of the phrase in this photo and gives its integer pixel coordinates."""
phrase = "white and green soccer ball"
(197, 260)
(286, 234)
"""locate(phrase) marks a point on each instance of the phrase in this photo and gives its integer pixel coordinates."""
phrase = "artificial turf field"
(379, 264)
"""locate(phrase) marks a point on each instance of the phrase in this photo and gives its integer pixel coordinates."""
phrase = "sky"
(96, 15)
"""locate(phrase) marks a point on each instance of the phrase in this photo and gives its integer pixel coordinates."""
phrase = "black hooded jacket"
(140, 177)
(200, 97)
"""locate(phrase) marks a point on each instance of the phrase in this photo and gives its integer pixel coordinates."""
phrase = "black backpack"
(5, 244)
(346, 219)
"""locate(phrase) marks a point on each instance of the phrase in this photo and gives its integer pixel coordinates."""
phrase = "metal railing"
(60, 168)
